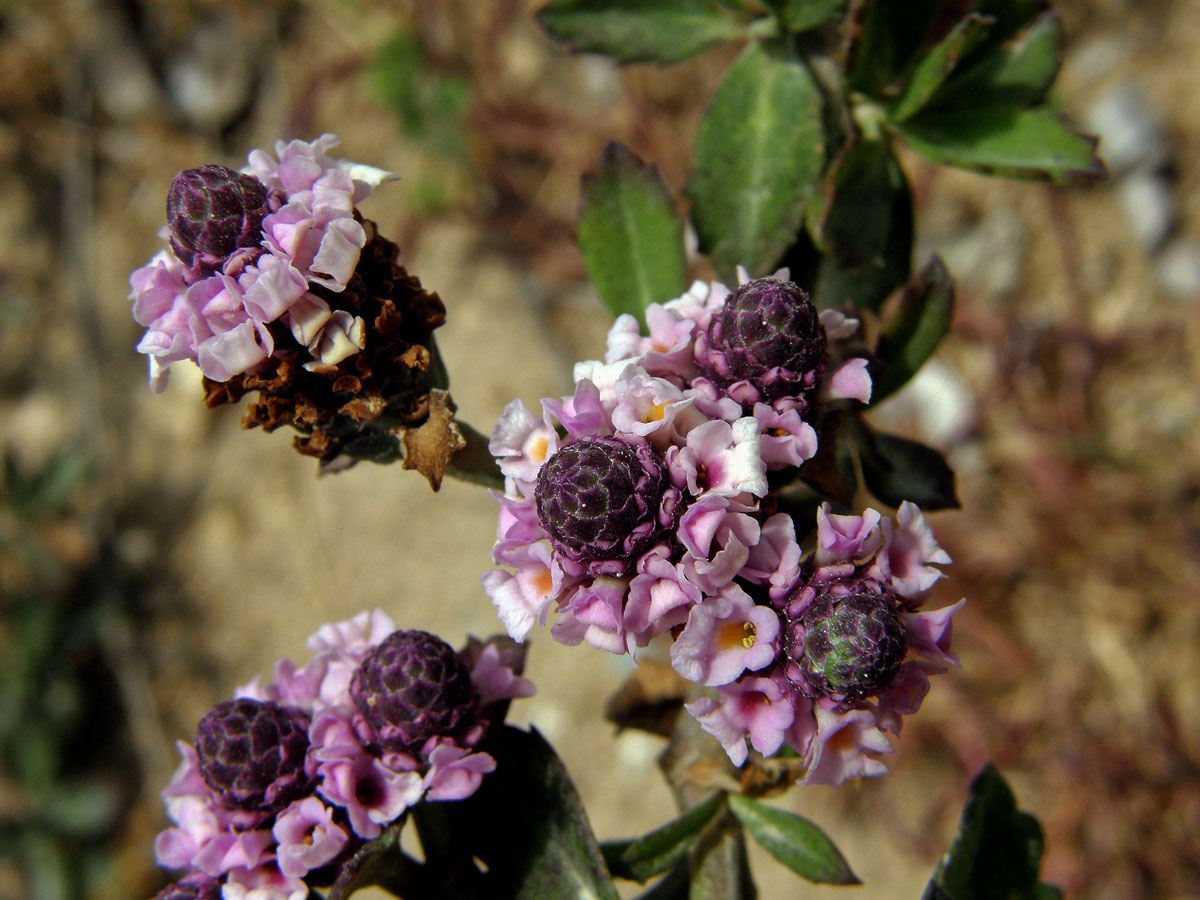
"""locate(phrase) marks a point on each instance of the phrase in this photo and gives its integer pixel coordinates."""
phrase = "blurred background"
(152, 554)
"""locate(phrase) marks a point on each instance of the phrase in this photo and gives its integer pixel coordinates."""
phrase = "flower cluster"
(633, 509)
(274, 283)
(835, 653)
(295, 775)
(245, 250)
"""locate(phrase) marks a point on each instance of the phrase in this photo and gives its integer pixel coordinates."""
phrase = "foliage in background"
(63, 781)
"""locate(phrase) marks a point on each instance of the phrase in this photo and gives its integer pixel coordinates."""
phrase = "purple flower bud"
(412, 687)
(604, 501)
(849, 645)
(213, 211)
(769, 334)
(191, 888)
(252, 753)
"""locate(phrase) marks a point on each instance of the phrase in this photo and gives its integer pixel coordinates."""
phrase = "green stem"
(474, 462)
(719, 869)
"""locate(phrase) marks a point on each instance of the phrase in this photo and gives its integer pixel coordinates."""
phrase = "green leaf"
(759, 150)
(896, 469)
(937, 65)
(882, 37)
(1018, 72)
(630, 237)
(801, 15)
(794, 841)
(1005, 140)
(1010, 15)
(831, 472)
(379, 862)
(911, 335)
(664, 31)
(863, 221)
(657, 851)
(529, 826)
(675, 885)
(997, 851)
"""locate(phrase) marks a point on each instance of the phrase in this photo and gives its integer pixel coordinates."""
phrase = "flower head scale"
(290, 776)
(212, 212)
(413, 687)
(252, 753)
(850, 645)
(766, 337)
(603, 501)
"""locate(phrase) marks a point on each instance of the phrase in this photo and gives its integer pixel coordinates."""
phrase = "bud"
(768, 333)
(850, 645)
(412, 687)
(252, 753)
(603, 502)
(213, 211)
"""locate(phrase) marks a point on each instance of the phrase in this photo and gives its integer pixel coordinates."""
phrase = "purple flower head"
(193, 887)
(769, 334)
(213, 211)
(252, 754)
(850, 645)
(413, 687)
(603, 501)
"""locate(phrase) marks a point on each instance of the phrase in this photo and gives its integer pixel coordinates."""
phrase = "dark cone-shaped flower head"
(603, 501)
(769, 334)
(848, 646)
(213, 211)
(412, 687)
(252, 754)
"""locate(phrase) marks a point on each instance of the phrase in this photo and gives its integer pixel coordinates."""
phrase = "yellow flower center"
(654, 413)
(731, 634)
(543, 581)
(538, 447)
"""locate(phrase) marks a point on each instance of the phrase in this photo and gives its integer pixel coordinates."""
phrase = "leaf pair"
(759, 152)
(793, 840)
(976, 99)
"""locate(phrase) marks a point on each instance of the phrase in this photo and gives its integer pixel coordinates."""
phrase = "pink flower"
(722, 459)
(659, 598)
(846, 538)
(523, 598)
(787, 440)
(726, 635)
(216, 311)
(307, 837)
(775, 557)
(353, 638)
(910, 552)
(264, 882)
(372, 794)
(521, 442)
(841, 745)
(495, 681)
(455, 774)
(594, 614)
(755, 708)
